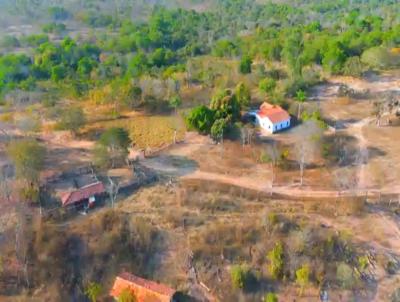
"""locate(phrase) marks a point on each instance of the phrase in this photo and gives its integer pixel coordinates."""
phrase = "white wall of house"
(266, 124)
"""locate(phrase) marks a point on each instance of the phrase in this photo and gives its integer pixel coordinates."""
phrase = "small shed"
(86, 195)
(144, 290)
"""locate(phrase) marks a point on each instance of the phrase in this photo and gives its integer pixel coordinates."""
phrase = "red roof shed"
(83, 193)
(144, 290)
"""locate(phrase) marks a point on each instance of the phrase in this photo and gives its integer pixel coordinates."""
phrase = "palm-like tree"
(300, 98)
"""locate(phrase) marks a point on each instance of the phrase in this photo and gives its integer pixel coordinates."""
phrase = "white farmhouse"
(272, 118)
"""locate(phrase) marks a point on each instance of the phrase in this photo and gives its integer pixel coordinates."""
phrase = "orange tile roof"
(274, 113)
(72, 197)
(145, 290)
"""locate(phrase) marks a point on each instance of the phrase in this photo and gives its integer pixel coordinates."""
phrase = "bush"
(270, 297)
(239, 277)
(201, 119)
(303, 277)
(243, 94)
(353, 67)
(344, 275)
(72, 119)
(267, 85)
(363, 263)
(380, 58)
(218, 129)
(9, 42)
(127, 295)
(245, 65)
(276, 258)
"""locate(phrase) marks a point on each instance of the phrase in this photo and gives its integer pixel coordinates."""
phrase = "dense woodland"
(138, 56)
(339, 36)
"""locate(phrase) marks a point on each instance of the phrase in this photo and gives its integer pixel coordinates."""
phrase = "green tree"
(138, 64)
(267, 85)
(218, 129)
(127, 295)
(292, 51)
(300, 98)
(112, 146)
(58, 73)
(9, 42)
(303, 277)
(270, 297)
(28, 158)
(243, 94)
(276, 258)
(175, 102)
(93, 291)
(201, 118)
(85, 66)
(135, 95)
(224, 48)
(226, 105)
(245, 65)
(72, 119)
(334, 57)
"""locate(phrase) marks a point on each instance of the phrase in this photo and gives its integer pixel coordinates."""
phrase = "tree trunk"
(298, 111)
(301, 174)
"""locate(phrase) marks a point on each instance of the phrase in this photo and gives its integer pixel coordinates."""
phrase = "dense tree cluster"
(298, 35)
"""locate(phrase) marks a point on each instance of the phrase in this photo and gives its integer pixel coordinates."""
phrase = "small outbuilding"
(144, 290)
(271, 118)
(85, 196)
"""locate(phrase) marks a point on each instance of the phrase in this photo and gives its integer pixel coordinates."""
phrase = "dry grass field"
(145, 131)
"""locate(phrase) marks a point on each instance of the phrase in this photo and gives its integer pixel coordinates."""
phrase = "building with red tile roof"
(144, 290)
(272, 118)
(82, 194)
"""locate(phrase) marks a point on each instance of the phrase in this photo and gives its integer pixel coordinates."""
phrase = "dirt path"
(187, 170)
(356, 129)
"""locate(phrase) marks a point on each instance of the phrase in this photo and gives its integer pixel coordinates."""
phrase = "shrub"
(344, 275)
(303, 277)
(363, 262)
(245, 65)
(239, 276)
(218, 129)
(276, 258)
(270, 297)
(380, 58)
(201, 119)
(93, 290)
(267, 85)
(127, 295)
(243, 94)
(72, 119)
(353, 67)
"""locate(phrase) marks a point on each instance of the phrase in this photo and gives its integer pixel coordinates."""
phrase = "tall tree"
(308, 139)
(243, 94)
(300, 98)
(292, 51)
(28, 158)
(112, 147)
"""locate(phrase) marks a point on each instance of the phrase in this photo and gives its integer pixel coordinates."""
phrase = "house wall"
(266, 124)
